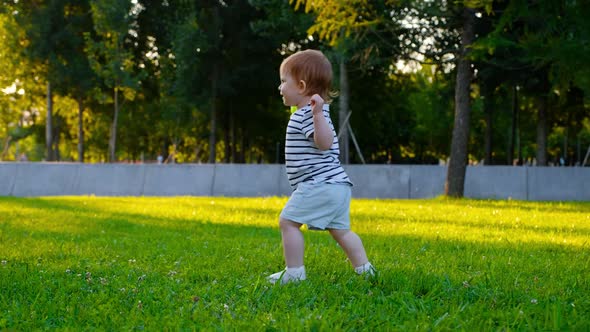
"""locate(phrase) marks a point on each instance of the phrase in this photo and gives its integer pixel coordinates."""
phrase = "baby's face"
(291, 90)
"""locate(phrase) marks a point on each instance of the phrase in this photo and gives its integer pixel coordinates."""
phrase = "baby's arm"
(322, 136)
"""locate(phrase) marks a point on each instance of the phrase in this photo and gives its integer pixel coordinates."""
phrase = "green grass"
(200, 264)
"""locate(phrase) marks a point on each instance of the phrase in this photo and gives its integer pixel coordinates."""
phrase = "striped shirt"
(304, 161)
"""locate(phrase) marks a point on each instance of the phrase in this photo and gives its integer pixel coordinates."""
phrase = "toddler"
(321, 199)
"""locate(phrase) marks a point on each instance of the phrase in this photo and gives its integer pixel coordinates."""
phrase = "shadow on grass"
(93, 224)
(541, 206)
(141, 225)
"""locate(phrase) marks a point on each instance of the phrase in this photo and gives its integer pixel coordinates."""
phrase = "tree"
(46, 43)
(200, 78)
(41, 33)
(68, 63)
(226, 57)
(341, 25)
(109, 54)
(19, 93)
(199, 60)
(405, 20)
(454, 184)
(74, 76)
(538, 46)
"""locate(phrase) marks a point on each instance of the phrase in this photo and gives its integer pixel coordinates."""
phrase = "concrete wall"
(371, 181)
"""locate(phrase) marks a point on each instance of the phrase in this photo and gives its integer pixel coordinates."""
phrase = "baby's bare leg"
(293, 243)
(352, 245)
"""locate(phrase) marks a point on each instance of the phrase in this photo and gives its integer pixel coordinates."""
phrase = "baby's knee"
(339, 233)
(288, 224)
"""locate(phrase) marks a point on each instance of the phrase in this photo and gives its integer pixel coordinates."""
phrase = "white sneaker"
(366, 269)
(287, 275)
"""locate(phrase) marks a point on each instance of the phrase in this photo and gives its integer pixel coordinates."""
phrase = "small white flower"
(4, 262)
(534, 301)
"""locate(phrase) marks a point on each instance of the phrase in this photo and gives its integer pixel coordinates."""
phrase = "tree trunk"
(566, 157)
(455, 182)
(232, 129)
(49, 124)
(511, 142)
(488, 113)
(343, 103)
(57, 122)
(80, 130)
(213, 124)
(519, 160)
(6, 146)
(242, 154)
(113, 138)
(234, 143)
(578, 151)
(227, 136)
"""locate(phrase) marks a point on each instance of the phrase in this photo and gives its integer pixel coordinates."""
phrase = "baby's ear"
(302, 85)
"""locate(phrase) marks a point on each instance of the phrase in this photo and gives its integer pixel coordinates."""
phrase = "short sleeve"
(307, 124)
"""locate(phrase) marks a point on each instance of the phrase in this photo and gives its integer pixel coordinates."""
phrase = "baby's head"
(313, 68)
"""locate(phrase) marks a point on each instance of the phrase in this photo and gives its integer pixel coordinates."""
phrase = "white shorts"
(319, 206)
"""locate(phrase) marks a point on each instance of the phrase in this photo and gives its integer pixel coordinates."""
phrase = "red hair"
(312, 67)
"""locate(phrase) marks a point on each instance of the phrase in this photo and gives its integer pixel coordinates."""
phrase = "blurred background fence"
(370, 181)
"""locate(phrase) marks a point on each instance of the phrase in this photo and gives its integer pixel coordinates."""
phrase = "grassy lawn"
(200, 264)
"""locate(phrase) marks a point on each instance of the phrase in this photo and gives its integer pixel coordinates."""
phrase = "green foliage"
(108, 54)
(200, 263)
(19, 89)
(337, 20)
(188, 42)
(161, 55)
(431, 105)
(546, 35)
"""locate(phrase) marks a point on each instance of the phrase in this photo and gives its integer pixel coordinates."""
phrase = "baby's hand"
(317, 104)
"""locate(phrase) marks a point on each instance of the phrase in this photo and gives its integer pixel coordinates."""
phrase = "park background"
(426, 82)
(98, 90)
